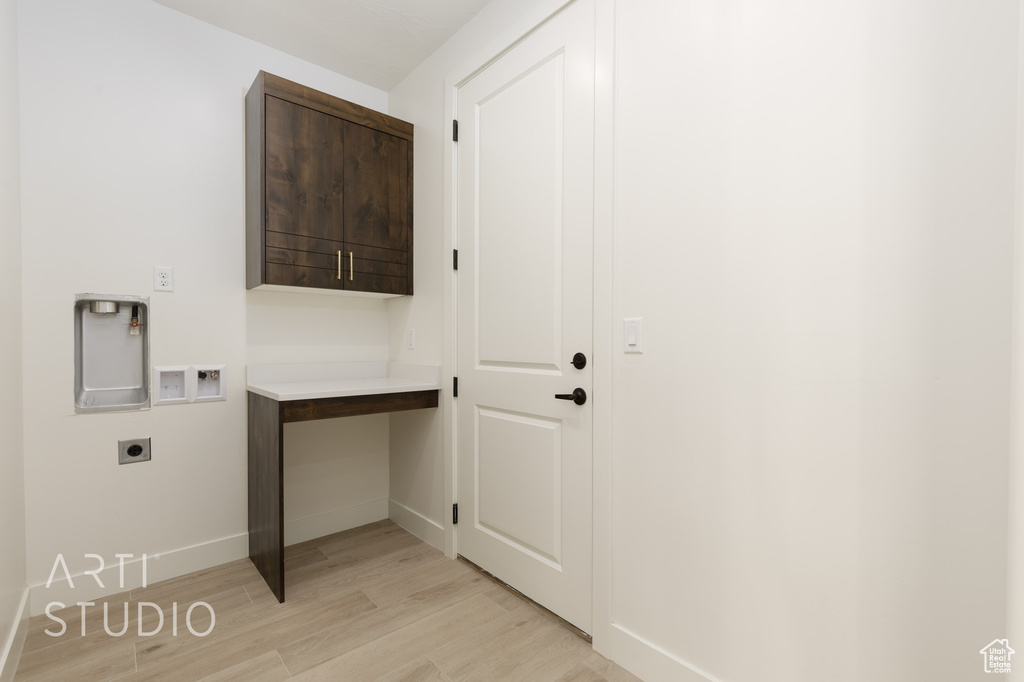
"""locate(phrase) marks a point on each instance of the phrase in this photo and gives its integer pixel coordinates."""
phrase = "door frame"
(603, 313)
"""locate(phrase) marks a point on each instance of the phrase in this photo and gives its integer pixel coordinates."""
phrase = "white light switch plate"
(633, 334)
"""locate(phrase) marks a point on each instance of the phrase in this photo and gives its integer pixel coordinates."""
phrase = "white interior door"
(524, 224)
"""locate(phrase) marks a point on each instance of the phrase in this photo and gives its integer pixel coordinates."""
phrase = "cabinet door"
(378, 209)
(305, 200)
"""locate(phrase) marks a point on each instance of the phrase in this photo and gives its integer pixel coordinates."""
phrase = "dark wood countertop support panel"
(266, 462)
(266, 491)
(354, 406)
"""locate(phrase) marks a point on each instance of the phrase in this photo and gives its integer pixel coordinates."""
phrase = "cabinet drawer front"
(283, 240)
(300, 276)
(321, 278)
(329, 261)
(376, 253)
(307, 259)
(376, 267)
(379, 284)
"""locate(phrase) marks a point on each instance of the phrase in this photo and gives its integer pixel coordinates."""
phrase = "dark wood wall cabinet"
(328, 196)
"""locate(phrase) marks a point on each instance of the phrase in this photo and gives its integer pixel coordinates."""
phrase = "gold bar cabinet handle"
(339, 265)
(351, 272)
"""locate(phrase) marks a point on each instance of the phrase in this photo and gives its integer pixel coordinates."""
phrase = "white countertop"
(305, 381)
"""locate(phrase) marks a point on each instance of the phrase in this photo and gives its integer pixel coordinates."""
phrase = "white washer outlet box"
(178, 385)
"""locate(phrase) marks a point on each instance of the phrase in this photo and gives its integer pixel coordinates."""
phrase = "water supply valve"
(134, 327)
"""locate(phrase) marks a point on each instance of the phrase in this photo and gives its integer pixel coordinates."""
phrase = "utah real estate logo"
(997, 656)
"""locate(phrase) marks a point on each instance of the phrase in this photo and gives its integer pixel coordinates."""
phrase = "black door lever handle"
(578, 396)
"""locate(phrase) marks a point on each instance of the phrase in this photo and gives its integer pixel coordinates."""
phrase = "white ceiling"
(377, 42)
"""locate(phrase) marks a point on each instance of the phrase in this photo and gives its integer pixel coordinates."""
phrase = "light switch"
(634, 334)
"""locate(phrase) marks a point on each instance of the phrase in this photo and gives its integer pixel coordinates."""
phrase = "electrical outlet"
(163, 278)
(133, 450)
(412, 339)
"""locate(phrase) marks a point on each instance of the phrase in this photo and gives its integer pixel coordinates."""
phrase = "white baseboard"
(648, 661)
(312, 527)
(10, 654)
(84, 587)
(419, 525)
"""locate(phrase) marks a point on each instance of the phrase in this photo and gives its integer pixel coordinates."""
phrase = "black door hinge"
(455, 131)
(455, 259)
(455, 387)
(455, 514)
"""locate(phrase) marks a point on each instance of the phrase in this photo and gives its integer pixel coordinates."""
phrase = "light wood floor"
(372, 603)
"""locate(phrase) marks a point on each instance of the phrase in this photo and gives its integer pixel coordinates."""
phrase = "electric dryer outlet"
(133, 450)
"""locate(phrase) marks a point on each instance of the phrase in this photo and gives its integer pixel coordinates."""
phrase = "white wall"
(336, 470)
(814, 216)
(12, 479)
(132, 138)
(1015, 569)
(416, 437)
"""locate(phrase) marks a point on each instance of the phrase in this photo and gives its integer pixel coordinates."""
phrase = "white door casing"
(524, 222)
